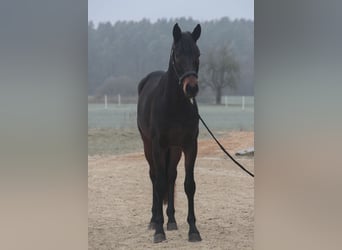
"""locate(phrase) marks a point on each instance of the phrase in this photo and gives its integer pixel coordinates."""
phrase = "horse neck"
(172, 91)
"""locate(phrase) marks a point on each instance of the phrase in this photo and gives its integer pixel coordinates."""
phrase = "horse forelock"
(186, 45)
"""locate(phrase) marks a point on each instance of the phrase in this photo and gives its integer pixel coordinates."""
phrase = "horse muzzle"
(190, 84)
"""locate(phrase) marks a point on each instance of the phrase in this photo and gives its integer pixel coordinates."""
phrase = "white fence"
(242, 101)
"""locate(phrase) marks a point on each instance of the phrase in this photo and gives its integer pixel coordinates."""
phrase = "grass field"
(114, 130)
(124, 116)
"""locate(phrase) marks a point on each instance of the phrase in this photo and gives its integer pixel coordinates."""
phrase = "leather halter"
(184, 75)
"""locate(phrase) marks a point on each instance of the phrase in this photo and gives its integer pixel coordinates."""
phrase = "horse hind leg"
(190, 153)
(152, 224)
(173, 157)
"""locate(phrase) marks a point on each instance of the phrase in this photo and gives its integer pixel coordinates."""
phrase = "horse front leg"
(170, 211)
(160, 187)
(173, 159)
(149, 158)
(190, 153)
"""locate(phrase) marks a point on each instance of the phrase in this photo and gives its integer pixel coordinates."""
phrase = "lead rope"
(220, 145)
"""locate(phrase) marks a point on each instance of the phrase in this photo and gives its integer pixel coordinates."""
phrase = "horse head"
(185, 59)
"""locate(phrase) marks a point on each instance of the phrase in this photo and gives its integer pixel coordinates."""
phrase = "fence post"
(243, 102)
(226, 101)
(106, 106)
(119, 99)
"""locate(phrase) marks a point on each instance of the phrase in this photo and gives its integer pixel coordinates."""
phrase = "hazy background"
(122, 53)
(135, 10)
(129, 39)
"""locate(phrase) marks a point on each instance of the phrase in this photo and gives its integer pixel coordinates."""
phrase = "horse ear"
(177, 33)
(196, 32)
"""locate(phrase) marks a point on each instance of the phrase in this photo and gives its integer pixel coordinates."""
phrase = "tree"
(220, 69)
(130, 48)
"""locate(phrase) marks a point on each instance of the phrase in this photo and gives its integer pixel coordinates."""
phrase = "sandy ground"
(120, 194)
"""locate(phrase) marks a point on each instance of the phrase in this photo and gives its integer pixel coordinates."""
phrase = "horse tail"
(167, 159)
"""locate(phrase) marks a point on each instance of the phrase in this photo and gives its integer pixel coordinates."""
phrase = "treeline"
(120, 54)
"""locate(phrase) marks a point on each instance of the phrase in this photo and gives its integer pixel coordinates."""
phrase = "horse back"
(150, 81)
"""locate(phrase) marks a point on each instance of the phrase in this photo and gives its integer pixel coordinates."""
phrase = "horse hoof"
(152, 226)
(159, 238)
(171, 226)
(194, 237)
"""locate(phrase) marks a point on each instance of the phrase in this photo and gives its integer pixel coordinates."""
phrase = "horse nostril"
(191, 90)
(187, 89)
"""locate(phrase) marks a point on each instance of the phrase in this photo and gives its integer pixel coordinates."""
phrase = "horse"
(167, 119)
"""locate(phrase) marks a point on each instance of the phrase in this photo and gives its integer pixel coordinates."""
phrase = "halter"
(184, 75)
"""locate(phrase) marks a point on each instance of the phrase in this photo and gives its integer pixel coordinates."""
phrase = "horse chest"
(176, 135)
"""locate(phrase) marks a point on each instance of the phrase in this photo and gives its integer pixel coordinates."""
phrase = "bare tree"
(219, 70)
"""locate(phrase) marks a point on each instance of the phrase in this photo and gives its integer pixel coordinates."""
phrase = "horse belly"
(177, 137)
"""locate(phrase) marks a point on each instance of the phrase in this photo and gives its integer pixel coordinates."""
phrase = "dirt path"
(119, 200)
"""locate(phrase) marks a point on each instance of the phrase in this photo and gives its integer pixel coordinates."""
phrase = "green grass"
(124, 116)
(111, 141)
(114, 130)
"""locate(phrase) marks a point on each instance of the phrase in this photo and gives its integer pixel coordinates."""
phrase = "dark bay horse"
(168, 124)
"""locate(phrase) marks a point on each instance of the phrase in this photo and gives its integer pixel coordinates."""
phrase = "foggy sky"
(202, 10)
